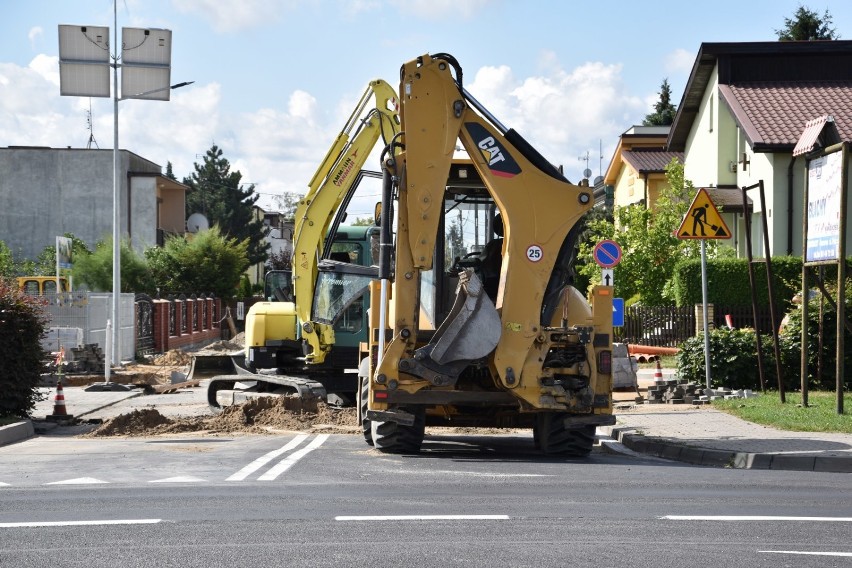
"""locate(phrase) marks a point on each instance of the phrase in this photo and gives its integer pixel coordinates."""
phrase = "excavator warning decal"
(499, 161)
(703, 221)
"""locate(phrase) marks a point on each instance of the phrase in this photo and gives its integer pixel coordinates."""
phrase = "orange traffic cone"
(59, 410)
(658, 374)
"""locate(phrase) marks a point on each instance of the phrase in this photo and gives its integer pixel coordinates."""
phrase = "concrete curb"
(16, 432)
(668, 449)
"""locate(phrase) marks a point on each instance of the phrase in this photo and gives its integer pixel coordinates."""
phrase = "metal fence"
(81, 317)
(669, 326)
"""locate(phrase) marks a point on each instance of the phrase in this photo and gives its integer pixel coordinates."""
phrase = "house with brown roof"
(744, 108)
(637, 169)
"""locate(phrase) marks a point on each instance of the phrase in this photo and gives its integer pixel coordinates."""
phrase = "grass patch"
(6, 420)
(820, 415)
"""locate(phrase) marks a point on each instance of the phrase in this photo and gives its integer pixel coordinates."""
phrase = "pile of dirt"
(236, 343)
(172, 358)
(266, 415)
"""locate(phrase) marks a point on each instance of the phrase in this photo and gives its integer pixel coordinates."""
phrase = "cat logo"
(499, 161)
(703, 220)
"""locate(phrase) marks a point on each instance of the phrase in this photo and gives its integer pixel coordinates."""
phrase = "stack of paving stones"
(684, 392)
(86, 359)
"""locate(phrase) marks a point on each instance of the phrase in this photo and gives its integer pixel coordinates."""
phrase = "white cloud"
(47, 66)
(679, 61)
(562, 114)
(230, 17)
(34, 34)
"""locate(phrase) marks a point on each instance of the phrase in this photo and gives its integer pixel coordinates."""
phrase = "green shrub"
(728, 282)
(734, 361)
(792, 334)
(22, 325)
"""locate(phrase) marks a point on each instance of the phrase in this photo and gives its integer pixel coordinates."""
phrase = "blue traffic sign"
(617, 312)
(607, 253)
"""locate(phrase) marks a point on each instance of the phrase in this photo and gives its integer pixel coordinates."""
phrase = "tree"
(7, 261)
(94, 269)
(22, 324)
(217, 192)
(647, 238)
(454, 247)
(364, 221)
(281, 260)
(806, 25)
(287, 203)
(45, 264)
(207, 261)
(170, 171)
(664, 111)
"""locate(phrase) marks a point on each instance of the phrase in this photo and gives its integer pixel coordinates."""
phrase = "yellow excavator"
(447, 346)
(286, 350)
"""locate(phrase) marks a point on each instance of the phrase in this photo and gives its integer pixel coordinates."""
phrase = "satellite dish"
(587, 173)
(197, 222)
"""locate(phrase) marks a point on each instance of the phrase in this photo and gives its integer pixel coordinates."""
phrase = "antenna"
(587, 173)
(91, 128)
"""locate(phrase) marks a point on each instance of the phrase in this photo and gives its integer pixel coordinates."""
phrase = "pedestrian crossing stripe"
(703, 221)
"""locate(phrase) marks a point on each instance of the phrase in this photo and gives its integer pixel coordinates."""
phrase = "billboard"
(823, 214)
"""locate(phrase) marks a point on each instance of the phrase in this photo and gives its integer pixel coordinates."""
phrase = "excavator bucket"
(471, 330)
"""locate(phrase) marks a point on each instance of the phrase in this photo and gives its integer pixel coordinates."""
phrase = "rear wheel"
(554, 438)
(363, 399)
(395, 438)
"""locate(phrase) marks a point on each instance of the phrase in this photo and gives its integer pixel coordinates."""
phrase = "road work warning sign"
(703, 221)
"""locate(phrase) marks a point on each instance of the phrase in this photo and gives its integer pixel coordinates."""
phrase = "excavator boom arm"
(329, 186)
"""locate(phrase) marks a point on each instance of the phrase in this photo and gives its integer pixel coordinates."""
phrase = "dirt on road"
(266, 415)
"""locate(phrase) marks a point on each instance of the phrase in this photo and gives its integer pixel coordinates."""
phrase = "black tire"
(554, 438)
(363, 398)
(394, 438)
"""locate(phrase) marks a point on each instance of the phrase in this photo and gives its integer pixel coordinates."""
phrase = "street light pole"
(115, 352)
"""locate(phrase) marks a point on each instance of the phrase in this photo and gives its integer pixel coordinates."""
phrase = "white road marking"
(265, 459)
(808, 553)
(78, 481)
(79, 523)
(291, 460)
(755, 518)
(3, 484)
(422, 518)
(472, 473)
(184, 479)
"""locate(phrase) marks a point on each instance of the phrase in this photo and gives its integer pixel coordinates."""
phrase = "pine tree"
(664, 111)
(216, 192)
(806, 25)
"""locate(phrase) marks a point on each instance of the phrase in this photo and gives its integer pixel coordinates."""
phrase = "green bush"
(792, 334)
(728, 282)
(734, 361)
(22, 325)
(207, 261)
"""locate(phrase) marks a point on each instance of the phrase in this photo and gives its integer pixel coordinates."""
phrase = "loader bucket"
(208, 365)
(472, 329)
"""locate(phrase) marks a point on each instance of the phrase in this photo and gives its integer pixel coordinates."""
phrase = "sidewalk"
(704, 436)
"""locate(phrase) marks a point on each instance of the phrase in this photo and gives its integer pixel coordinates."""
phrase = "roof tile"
(779, 111)
(649, 160)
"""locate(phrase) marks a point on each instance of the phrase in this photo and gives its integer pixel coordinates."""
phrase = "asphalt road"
(312, 500)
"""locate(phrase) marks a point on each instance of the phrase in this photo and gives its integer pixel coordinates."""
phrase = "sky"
(275, 80)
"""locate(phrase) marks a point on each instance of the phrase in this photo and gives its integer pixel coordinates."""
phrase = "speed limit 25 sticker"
(534, 253)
